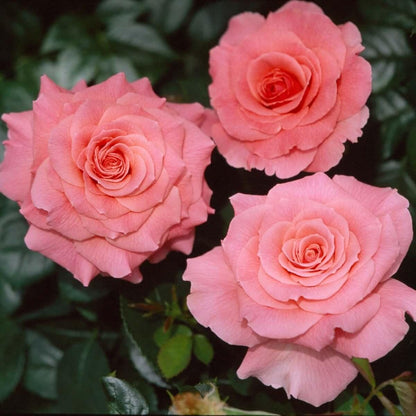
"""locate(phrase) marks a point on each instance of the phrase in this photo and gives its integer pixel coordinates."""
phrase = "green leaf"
(123, 398)
(175, 355)
(364, 367)
(210, 21)
(401, 13)
(354, 404)
(109, 10)
(235, 411)
(411, 152)
(73, 290)
(396, 115)
(160, 336)
(406, 392)
(12, 356)
(388, 50)
(10, 298)
(140, 36)
(79, 379)
(168, 15)
(20, 266)
(389, 405)
(42, 365)
(202, 348)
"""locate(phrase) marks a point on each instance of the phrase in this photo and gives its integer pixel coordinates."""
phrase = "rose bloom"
(288, 89)
(303, 278)
(107, 176)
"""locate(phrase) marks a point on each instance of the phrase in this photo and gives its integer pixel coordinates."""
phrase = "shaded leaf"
(109, 10)
(124, 398)
(406, 392)
(141, 36)
(169, 15)
(364, 367)
(10, 298)
(387, 49)
(42, 365)
(79, 378)
(354, 404)
(12, 356)
(389, 405)
(202, 348)
(401, 13)
(175, 355)
(19, 265)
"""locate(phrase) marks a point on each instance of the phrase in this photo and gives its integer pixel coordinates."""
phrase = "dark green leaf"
(175, 355)
(12, 356)
(406, 391)
(160, 336)
(141, 36)
(387, 49)
(19, 265)
(169, 15)
(41, 367)
(202, 348)
(411, 152)
(109, 10)
(73, 290)
(14, 97)
(401, 13)
(364, 367)
(10, 298)
(353, 404)
(123, 398)
(79, 379)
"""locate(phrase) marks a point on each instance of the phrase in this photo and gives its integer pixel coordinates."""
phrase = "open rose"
(107, 176)
(303, 278)
(289, 90)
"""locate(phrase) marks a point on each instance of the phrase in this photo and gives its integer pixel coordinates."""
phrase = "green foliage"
(123, 398)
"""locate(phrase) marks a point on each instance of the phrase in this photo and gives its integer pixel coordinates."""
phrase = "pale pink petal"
(241, 26)
(62, 251)
(241, 202)
(214, 295)
(386, 329)
(15, 170)
(308, 375)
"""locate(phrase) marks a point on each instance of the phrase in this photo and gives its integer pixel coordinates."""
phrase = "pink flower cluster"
(112, 175)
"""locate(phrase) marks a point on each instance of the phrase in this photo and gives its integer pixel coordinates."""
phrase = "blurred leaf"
(396, 115)
(389, 405)
(168, 15)
(12, 356)
(235, 411)
(73, 290)
(387, 49)
(175, 355)
(210, 21)
(401, 13)
(364, 367)
(353, 404)
(406, 392)
(109, 10)
(14, 97)
(66, 32)
(411, 152)
(19, 265)
(141, 36)
(10, 298)
(79, 379)
(42, 365)
(123, 398)
(202, 348)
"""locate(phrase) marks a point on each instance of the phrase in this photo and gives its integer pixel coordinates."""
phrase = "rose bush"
(288, 89)
(303, 278)
(108, 176)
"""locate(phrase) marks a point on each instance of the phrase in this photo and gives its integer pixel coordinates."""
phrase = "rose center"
(276, 87)
(110, 164)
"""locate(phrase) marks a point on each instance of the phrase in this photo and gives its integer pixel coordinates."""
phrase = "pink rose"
(107, 176)
(289, 90)
(303, 278)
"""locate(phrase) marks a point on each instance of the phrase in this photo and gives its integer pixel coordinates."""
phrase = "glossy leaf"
(123, 398)
(202, 348)
(79, 378)
(12, 356)
(175, 355)
(42, 364)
